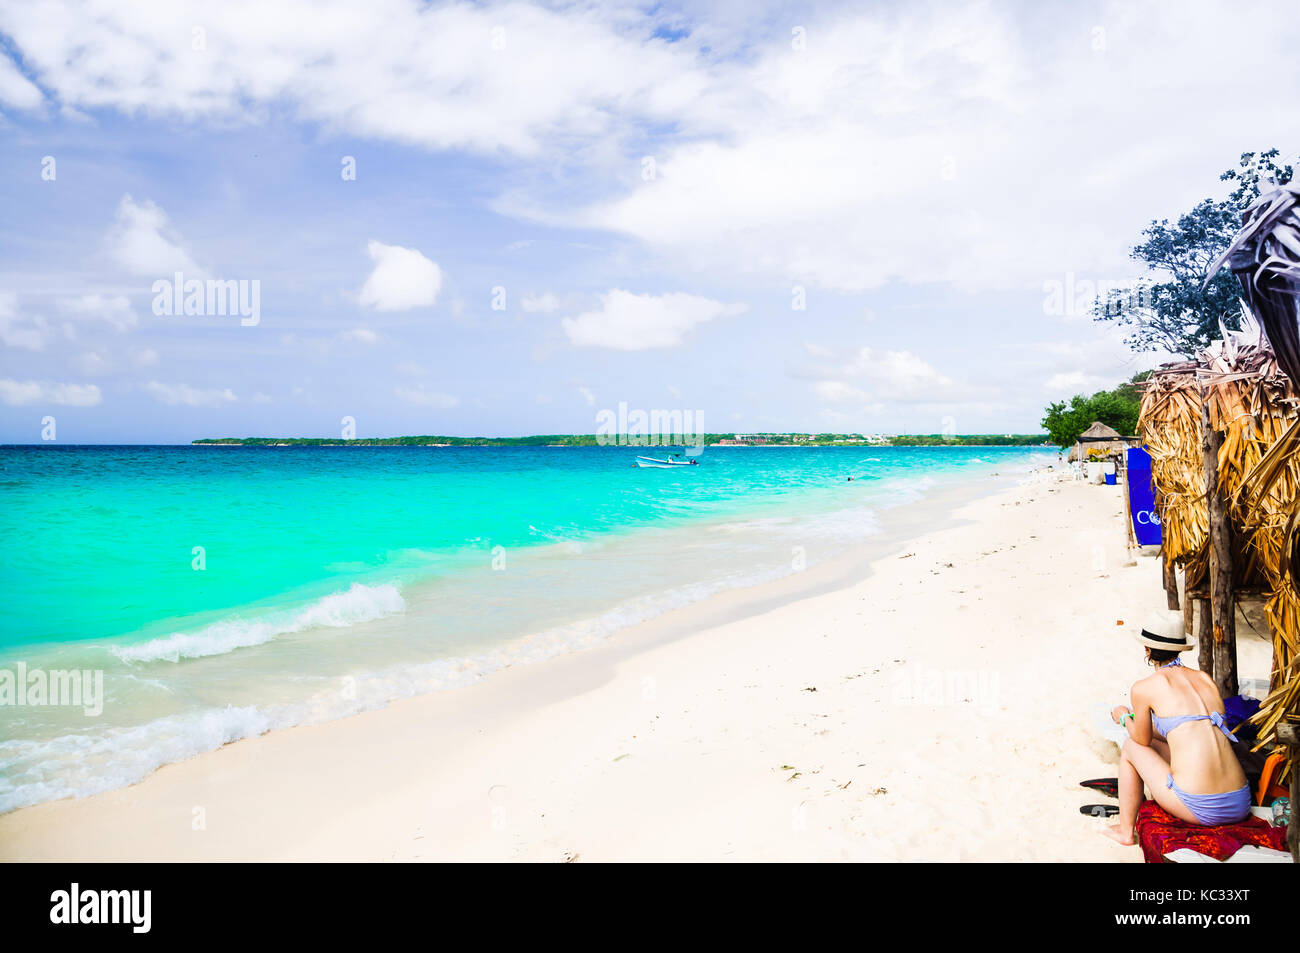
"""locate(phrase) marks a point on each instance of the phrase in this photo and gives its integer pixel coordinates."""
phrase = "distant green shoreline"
(589, 440)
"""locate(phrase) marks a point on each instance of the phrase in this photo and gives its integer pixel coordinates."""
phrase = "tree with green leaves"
(1171, 312)
(1116, 408)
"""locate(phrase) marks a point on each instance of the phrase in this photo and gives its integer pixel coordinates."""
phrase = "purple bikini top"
(1165, 725)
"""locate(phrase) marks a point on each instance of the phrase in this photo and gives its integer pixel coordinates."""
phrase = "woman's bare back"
(1201, 758)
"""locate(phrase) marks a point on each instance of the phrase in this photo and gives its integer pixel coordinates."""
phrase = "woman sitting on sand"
(1177, 742)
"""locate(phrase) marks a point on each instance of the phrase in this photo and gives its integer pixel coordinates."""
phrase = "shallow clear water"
(331, 580)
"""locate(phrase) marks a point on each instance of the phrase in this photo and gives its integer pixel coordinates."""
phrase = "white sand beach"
(939, 710)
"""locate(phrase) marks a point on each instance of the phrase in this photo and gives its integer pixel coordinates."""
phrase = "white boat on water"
(654, 463)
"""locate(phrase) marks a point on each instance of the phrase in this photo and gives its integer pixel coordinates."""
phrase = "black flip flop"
(1099, 810)
(1106, 786)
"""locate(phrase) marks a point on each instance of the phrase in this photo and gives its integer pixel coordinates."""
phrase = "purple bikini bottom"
(1214, 809)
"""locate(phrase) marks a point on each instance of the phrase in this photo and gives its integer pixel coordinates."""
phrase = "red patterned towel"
(1159, 832)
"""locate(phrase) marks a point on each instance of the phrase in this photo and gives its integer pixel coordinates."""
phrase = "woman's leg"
(1138, 764)
(1130, 796)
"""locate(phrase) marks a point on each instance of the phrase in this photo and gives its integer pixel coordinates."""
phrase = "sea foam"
(358, 604)
(82, 764)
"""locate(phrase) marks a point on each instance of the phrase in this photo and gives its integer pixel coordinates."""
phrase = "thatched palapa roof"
(1242, 387)
(1099, 438)
(1099, 431)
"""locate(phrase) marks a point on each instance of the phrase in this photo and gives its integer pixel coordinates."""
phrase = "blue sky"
(651, 187)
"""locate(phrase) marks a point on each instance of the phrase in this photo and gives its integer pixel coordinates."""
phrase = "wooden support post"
(1189, 608)
(1204, 637)
(1223, 612)
(1167, 564)
(1121, 469)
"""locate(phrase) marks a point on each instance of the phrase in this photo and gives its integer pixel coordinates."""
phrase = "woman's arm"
(1139, 726)
(1136, 720)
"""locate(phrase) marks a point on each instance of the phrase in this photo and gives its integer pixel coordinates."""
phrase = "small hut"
(1098, 440)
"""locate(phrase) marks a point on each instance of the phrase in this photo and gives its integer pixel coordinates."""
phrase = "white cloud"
(19, 393)
(1077, 382)
(143, 242)
(854, 420)
(115, 311)
(546, 303)
(92, 364)
(17, 90)
(146, 358)
(903, 374)
(951, 143)
(502, 77)
(632, 322)
(897, 146)
(588, 396)
(34, 332)
(878, 374)
(420, 397)
(361, 336)
(969, 143)
(1088, 360)
(838, 392)
(402, 279)
(29, 333)
(177, 394)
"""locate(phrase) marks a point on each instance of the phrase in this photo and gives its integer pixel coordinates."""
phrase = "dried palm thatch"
(1265, 256)
(1255, 415)
(1170, 424)
(1240, 386)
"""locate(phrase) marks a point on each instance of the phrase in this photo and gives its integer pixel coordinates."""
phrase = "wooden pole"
(1204, 637)
(1121, 469)
(1223, 614)
(1121, 478)
(1171, 582)
(1166, 564)
(1189, 607)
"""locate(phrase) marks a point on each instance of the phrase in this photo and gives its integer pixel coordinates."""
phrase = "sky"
(506, 218)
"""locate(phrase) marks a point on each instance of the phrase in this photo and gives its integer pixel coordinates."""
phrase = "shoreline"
(671, 740)
(172, 736)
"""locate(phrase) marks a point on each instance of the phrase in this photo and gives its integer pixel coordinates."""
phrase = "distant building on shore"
(760, 439)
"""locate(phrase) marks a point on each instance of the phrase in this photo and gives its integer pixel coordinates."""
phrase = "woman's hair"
(1161, 656)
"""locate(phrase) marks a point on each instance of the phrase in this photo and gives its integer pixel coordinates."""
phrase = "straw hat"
(1164, 630)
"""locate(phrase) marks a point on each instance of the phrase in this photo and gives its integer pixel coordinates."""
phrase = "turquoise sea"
(225, 591)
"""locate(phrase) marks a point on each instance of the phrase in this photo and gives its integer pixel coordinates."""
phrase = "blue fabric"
(1237, 709)
(1214, 809)
(1141, 497)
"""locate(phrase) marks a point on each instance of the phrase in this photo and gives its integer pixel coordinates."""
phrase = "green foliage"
(1116, 408)
(1175, 314)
